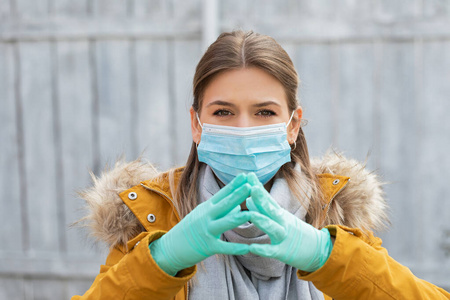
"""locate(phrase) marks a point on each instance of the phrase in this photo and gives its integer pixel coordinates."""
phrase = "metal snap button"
(151, 218)
(132, 196)
(336, 181)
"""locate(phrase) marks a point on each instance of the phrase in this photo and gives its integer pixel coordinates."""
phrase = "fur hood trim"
(108, 219)
(360, 204)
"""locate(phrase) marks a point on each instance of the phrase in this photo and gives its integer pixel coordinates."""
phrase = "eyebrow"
(266, 103)
(225, 103)
(220, 102)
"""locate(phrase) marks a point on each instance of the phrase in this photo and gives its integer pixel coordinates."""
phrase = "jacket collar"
(153, 191)
(149, 205)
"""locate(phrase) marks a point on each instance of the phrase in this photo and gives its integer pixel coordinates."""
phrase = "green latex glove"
(293, 241)
(197, 236)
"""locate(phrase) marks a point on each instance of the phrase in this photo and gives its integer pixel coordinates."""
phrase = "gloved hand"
(197, 236)
(293, 241)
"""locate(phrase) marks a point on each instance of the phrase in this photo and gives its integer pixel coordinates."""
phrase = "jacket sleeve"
(360, 268)
(135, 275)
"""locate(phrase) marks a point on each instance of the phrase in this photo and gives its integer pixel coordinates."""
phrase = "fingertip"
(252, 178)
(238, 180)
(235, 210)
(254, 217)
(245, 188)
(250, 204)
(243, 176)
(242, 249)
(263, 250)
(254, 248)
(242, 216)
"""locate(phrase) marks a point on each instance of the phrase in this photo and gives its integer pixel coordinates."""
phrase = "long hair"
(236, 50)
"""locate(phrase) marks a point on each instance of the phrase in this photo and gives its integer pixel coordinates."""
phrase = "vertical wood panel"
(187, 54)
(313, 64)
(75, 97)
(154, 9)
(78, 287)
(93, 73)
(398, 144)
(49, 289)
(187, 11)
(355, 100)
(116, 118)
(12, 288)
(132, 80)
(267, 9)
(9, 160)
(355, 9)
(395, 11)
(71, 9)
(59, 177)
(436, 8)
(33, 9)
(434, 156)
(5, 9)
(318, 9)
(236, 14)
(39, 146)
(155, 114)
(28, 289)
(109, 8)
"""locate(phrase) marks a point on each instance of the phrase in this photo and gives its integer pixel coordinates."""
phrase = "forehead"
(246, 85)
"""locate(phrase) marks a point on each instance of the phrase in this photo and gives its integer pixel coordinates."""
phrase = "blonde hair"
(236, 50)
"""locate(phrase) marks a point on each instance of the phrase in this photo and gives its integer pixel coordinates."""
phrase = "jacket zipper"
(175, 209)
(187, 290)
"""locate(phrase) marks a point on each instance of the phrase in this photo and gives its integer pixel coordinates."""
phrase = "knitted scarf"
(249, 276)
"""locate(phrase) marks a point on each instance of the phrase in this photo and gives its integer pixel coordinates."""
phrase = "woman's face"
(245, 98)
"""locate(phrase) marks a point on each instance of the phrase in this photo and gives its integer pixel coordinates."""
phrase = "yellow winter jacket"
(129, 212)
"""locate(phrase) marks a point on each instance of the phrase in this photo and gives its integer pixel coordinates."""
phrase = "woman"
(250, 194)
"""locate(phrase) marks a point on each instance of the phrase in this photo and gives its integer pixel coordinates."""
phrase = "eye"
(266, 113)
(222, 113)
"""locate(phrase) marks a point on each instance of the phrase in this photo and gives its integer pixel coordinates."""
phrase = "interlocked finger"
(275, 231)
(261, 200)
(230, 221)
(254, 182)
(231, 248)
(229, 188)
(265, 250)
(224, 206)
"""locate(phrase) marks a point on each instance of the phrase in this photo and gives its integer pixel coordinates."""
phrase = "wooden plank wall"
(83, 82)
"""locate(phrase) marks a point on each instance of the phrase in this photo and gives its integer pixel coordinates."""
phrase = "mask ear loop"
(290, 119)
(200, 123)
(198, 119)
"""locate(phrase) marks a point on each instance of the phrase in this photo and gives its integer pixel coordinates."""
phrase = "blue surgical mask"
(230, 151)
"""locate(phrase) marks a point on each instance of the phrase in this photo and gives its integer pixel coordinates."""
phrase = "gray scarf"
(249, 276)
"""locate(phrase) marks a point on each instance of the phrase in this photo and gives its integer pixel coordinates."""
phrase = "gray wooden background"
(82, 82)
